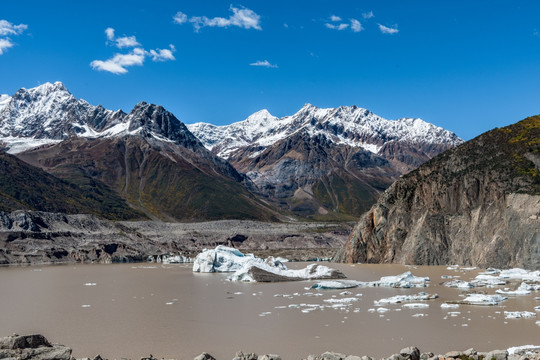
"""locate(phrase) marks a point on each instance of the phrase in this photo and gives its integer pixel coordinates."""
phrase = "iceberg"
(523, 289)
(404, 298)
(460, 284)
(405, 280)
(415, 306)
(263, 272)
(518, 314)
(481, 299)
(249, 268)
(449, 306)
(336, 284)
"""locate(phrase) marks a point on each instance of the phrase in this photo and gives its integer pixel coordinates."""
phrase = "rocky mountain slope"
(27, 187)
(325, 161)
(477, 204)
(147, 157)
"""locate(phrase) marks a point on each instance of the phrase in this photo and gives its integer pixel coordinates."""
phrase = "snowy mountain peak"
(350, 125)
(49, 113)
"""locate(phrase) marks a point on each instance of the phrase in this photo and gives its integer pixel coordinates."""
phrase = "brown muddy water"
(170, 312)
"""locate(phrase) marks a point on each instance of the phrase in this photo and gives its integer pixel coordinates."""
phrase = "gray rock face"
(32, 347)
(477, 204)
(36, 238)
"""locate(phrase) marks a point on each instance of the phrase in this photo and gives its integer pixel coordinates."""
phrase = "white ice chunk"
(415, 306)
(336, 284)
(523, 289)
(481, 299)
(449, 306)
(460, 284)
(518, 314)
(342, 301)
(404, 298)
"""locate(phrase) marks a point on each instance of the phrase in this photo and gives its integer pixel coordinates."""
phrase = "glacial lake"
(133, 310)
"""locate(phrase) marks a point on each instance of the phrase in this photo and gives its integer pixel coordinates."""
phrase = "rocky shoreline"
(37, 347)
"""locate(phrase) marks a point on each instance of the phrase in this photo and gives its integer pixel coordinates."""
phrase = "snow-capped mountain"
(146, 156)
(321, 161)
(49, 114)
(348, 125)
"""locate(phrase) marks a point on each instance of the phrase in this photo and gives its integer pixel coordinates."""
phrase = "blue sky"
(468, 66)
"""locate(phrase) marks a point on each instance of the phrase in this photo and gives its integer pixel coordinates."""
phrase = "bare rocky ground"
(28, 237)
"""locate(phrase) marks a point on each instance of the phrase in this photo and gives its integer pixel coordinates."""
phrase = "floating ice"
(336, 284)
(85, 306)
(405, 280)
(382, 310)
(523, 289)
(343, 301)
(461, 284)
(419, 315)
(90, 284)
(415, 306)
(481, 299)
(449, 306)
(249, 268)
(518, 314)
(222, 259)
(404, 298)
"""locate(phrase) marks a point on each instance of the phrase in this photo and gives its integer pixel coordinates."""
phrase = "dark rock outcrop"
(477, 204)
(32, 347)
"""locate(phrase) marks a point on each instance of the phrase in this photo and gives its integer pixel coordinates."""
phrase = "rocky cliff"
(477, 204)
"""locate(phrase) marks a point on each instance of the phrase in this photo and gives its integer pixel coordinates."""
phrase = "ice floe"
(405, 280)
(336, 284)
(460, 284)
(518, 314)
(523, 289)
(449, 306)
(416, 306)
(343, 301)
(481, 299)
(404, 298)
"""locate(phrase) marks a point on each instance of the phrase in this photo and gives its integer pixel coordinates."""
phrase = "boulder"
(248, 356)
(497, 355)
(453, 354)
(410, 353)
(269, 357)
(470, 352)
(333, 356)
(204, 356)
(32, 347)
